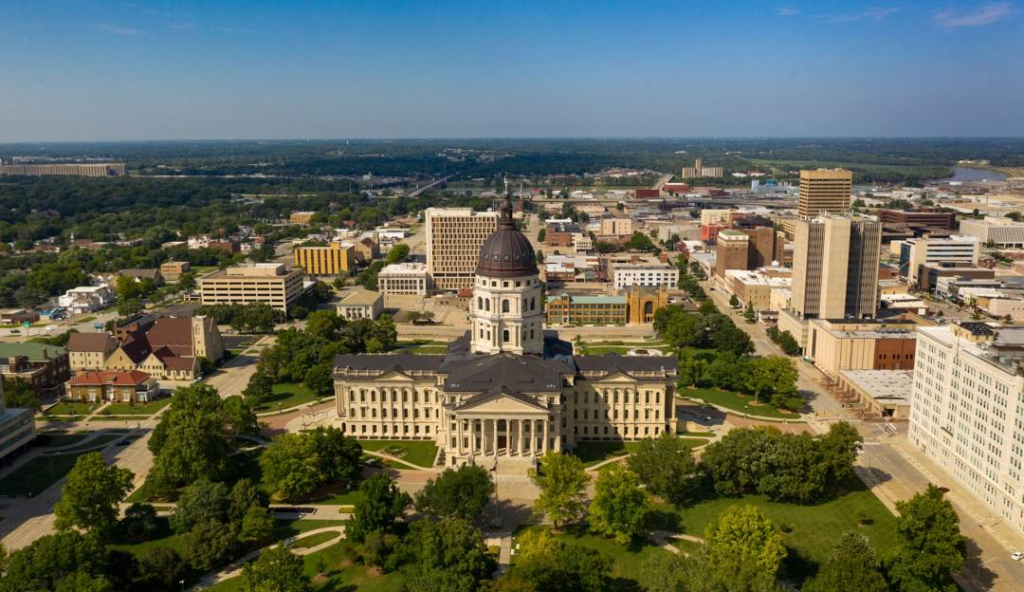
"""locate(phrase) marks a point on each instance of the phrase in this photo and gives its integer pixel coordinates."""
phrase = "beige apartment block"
(454, 238)
(96, 169)
(824, 191)
(271, 283)
(404, 278)
(616, 227)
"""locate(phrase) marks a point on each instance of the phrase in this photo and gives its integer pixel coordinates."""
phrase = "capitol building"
(507, 388)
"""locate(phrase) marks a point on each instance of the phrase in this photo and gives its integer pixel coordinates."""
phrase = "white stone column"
(519, 437)
(495, 436)
(472, 437)
(458, 429)
(544, 446)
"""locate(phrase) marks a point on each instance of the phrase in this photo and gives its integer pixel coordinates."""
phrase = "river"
(963, 174)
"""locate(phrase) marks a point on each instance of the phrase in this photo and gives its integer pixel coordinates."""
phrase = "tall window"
(504, 305)
(487, 305)
(505, 336)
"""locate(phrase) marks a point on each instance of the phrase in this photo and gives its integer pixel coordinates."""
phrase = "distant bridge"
(419, 191)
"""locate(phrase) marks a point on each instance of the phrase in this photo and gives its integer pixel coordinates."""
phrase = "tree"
(244, 495)
(562, 482)
(237, 417)
(770, 376)
(639, 242)
(749, 313)
(665, 465)
(276, 570)
(188, 442)
(259, 389)
(290, 466)
(202, 501)
(319, 379)
(550, 564)
(19, 394)
(382, 503)
(619, 505)
(457, 493)
(51, 559)
(397, 253)
(446, 556)
(929, 546)
(257, 525)
(742, 552)
(852, 565)
(83, 582)
(734, 301)
(140, 523)
(839, 449)
(161, 568)
(209, 544)
(91, 496)
(661, 572)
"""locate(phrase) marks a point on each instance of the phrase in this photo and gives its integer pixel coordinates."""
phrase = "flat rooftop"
(885, 386)
(360, 298)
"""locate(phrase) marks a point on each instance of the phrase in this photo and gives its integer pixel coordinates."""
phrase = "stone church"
(507, 389)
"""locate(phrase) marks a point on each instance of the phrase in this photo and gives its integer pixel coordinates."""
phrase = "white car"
(1017, 555)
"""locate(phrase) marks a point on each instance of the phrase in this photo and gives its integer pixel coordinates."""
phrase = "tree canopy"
(562, 482)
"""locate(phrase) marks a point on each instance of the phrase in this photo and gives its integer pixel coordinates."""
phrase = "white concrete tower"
(507, 311)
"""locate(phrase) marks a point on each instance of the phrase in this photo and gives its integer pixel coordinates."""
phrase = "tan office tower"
(825, 191)
(454, 238)
(731, 252)
(835, 268)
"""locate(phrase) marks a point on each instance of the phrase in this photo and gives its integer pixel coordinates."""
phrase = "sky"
(80, 70)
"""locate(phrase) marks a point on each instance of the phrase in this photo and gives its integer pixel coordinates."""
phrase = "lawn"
(33, 477)
(67, 407)
(341, 574)
(137, 408)
(418, 452)
(737, 402)
(810, 531)
(287, 395)
(54, 440)
(87, 319)
(316, 539)
(95, 443)
(594, 452)
(628, 561)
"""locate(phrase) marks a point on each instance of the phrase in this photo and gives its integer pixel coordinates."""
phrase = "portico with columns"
(502, 423)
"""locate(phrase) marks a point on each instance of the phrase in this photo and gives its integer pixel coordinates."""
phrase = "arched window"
(504, 336)
(533, 303)
(504, 305)
(479, 303)
(487, 305)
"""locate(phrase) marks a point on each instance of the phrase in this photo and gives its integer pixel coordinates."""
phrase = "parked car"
(1017, 555)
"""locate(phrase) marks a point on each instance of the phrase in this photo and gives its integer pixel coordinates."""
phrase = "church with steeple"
(508, 388)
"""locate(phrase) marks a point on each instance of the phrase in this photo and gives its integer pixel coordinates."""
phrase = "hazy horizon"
(392, 70)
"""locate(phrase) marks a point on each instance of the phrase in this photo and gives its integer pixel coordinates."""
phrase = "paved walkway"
(663, 538)
(235, 568)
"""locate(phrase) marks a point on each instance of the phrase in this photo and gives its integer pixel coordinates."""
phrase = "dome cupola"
(507, 252)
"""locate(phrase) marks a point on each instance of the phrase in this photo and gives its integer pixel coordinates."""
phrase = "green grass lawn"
(314, 540)
(735, 401)
(628, 561)
(53, 440)
(87, 319)
(418, 452)
(341, 574)
(33, 477)
(287, 395)
(137, 408)
(809, 531)
(594, 452)
(66, 407)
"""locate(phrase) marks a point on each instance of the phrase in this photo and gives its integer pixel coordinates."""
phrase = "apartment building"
(173, 270)
(270, 283)
(1001, 232)
(44, 367)
(755, 288)
(967, 410)
(454, 238)
(565, 309)
(85, 299)
(301, 217)
(616, 227)
(337, 258)
(915, 253)
(824, 191)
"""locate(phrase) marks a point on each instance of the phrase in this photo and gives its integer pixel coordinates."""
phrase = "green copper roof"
(34, 351)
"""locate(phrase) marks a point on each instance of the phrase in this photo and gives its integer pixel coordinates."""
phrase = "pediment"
(394, 376)
(502, 403)
(620, 377)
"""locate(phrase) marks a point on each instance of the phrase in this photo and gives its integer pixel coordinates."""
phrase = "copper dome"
(506, 253)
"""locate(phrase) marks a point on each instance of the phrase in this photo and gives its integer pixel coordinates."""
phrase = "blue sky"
(91, 70)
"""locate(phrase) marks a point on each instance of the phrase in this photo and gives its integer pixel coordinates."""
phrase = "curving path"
(235, 568)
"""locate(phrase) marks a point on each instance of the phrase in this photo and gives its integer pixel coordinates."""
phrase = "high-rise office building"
(955, 250)
(454, 238)
(835, 268)
(825, 191)
(731, 252)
